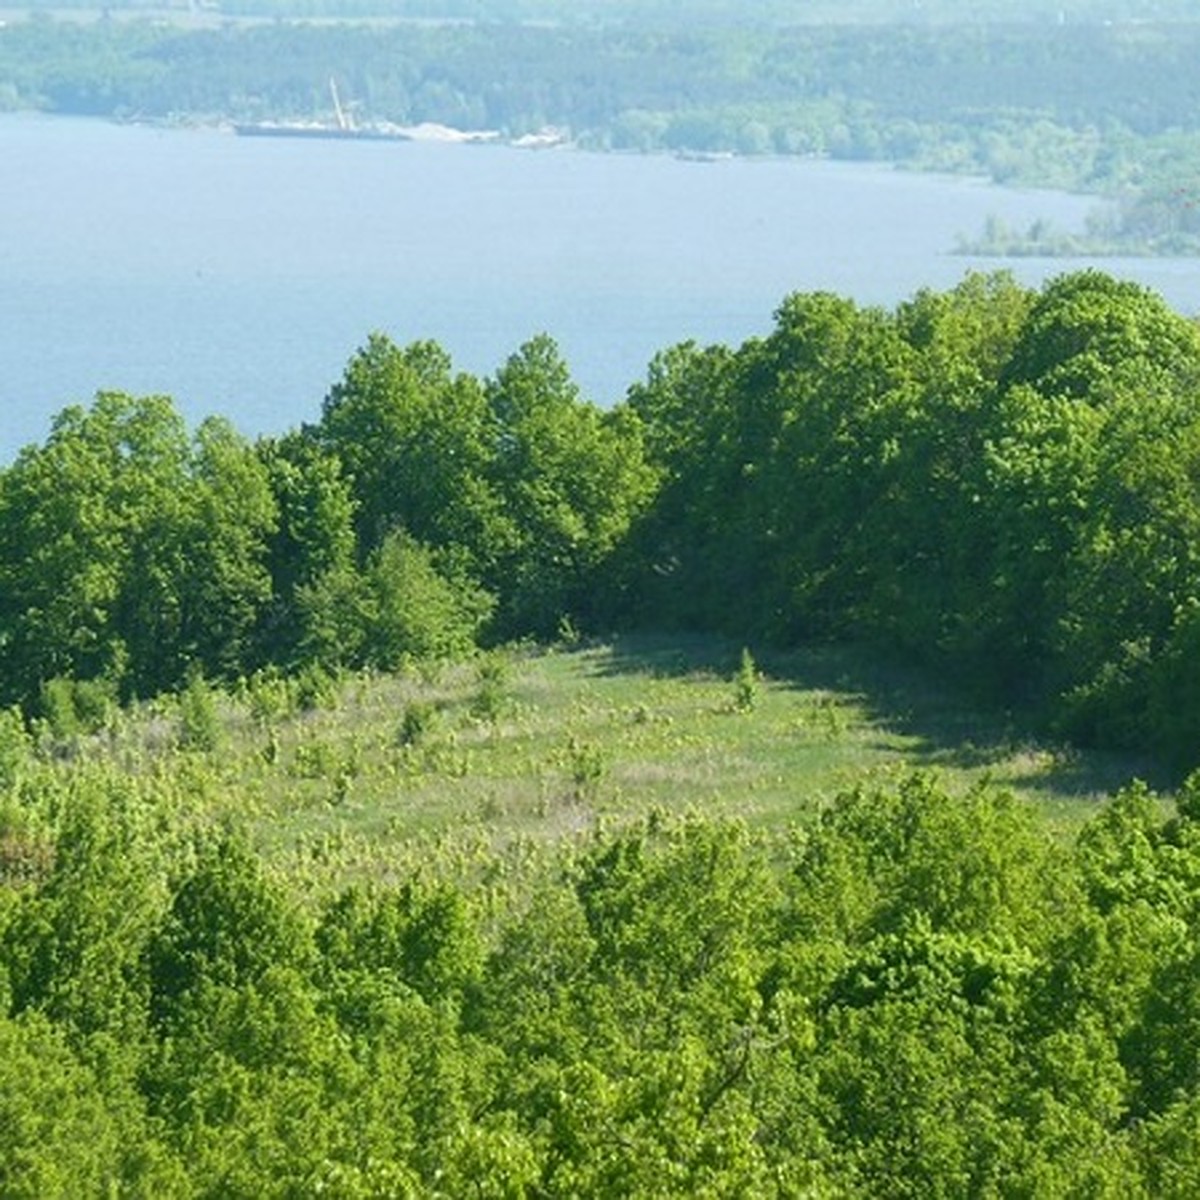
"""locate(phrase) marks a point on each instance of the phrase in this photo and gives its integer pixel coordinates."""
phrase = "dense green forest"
(1086, 103)
(995, 480)
(884, 986)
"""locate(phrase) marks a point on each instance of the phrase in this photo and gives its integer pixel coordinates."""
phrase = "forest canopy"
(907, 991)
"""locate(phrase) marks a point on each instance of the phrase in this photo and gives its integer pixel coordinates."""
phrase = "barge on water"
(342, 127)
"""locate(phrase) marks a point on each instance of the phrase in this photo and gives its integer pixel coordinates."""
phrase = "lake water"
(238, 275)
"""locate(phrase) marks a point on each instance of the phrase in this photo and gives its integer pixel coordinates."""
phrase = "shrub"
(745, 684)
(199, 722)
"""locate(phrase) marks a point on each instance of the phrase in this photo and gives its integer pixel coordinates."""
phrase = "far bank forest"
(1094, 96)
(744, 791)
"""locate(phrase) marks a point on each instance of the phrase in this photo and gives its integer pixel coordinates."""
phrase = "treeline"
(918, 995)
(425, 507)
(998, 482)
(659, 13)
(1088, 106)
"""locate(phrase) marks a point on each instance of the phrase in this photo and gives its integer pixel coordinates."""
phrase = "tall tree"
(86, 521)
(572, 480)
(417, 444)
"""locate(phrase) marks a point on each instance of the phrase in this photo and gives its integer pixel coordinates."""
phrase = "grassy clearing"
(402, 771)
(490, 762)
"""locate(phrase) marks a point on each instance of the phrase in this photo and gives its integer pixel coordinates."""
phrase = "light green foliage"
(128, 553)
(402, 607)
(416, 443)
(902, 989)
(80, 521)
(972, 864)
(16, 748)
(745, 684)
(74, 706)
(57, 1136)
(419, 613)
(587, 768)
(199, 721)
(492, 696)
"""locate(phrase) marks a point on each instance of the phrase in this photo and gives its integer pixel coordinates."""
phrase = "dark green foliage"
(997, 481)
(520, 485)
(415, 442)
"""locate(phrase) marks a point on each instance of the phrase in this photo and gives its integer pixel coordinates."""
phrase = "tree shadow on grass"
(667, 656)
(936, 713)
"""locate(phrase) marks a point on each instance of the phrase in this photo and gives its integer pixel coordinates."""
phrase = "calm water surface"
(239, 275)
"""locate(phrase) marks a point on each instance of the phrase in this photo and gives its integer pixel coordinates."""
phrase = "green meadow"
(524, 747)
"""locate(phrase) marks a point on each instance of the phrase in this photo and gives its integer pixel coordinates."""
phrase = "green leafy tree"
(79, 522)
(314, 541)
(416, 443)
(686, 407)
(572, 480)
(226, 583)
(227, 926)
(1087, 329)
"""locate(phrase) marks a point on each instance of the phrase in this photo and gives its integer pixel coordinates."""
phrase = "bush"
(745, 684)
(77, 706)
(491, 696)
(418, 720)
(199, 721)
